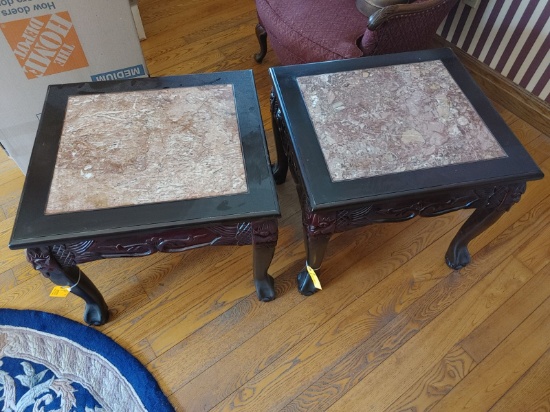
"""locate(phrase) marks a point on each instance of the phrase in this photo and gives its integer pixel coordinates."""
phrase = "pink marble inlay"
(151, 146)
(393, 119)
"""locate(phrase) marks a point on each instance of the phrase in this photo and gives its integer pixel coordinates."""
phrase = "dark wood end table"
(129, 168)
(386, 138)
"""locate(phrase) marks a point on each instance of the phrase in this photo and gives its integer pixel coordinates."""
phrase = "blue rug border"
(135, 373)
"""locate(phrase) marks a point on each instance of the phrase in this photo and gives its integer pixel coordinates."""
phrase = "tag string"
(307, 264)
(77, 281)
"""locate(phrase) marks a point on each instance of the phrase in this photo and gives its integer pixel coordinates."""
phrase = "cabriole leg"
(494, 206)
(457, 255)
(316, 246)
(264, 239)
(53, 264)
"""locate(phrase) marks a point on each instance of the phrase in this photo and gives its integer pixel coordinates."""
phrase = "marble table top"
(132, 148)
(393, 119)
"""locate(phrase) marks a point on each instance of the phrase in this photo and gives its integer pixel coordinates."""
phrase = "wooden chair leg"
(261, 34)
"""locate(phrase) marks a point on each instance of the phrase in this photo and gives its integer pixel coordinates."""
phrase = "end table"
(387, 138)
(132, 167)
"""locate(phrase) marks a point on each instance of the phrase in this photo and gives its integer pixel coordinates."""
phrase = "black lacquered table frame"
(489, 197)
(59, 262)
(57, 243)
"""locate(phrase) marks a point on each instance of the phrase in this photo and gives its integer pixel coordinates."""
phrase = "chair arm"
(390, 12)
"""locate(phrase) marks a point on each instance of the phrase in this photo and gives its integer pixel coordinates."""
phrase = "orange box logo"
(45, 45)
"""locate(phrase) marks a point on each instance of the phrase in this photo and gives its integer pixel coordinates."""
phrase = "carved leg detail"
(497, 204)
(261, 34)
(48, 262)
(265, 285)
(280, 168)
(264, 238)
(457, 255)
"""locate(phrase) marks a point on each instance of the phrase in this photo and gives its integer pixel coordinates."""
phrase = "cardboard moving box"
(54, 42)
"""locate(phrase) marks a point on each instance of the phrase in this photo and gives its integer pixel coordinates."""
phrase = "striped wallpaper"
(510, 36)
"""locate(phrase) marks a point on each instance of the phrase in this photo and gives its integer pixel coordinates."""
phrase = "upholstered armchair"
(304, 31)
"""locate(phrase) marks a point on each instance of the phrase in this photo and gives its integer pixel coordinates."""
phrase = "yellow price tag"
(314, 277)
(60, 291)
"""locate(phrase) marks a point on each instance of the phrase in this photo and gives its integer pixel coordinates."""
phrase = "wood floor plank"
(154, 10)
(7, 281)
(202, 295)
(9, 173)
(487, 336)
(8, 257)
(162, 277)
(36, 289)
(98, 271)
(207, 305)
(476, 346)
(361, 362)
(536, 254)
(502, 368)
(238, 55)
(236, 10)
(191, 65)
(393, 328)
(177, 48)
(122, 297)
(23, 272)
(524, 131)
(536, 191)
(8, 167)
(163, 339)
(10, 190)
(268, 359)
(506, 114)
(251, 319)
(436, 383)
(529, 393)
(160, 21)
(431, 344)
(5, 231)
(9, 208)
(206, 28)
(32, 294)
(539, 148)
(292, 384)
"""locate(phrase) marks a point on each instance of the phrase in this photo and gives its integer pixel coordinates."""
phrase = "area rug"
(50, 363)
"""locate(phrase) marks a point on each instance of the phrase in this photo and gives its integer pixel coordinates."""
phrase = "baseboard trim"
(519, 101)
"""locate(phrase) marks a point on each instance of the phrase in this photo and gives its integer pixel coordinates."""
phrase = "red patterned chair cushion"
(304, 31)
(327, 33)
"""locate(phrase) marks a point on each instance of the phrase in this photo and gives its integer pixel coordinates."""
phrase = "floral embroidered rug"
(50, 363)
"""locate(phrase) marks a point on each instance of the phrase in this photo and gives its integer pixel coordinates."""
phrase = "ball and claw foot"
(96, 315)
(305, 284)
(265, 289)
(457, 258)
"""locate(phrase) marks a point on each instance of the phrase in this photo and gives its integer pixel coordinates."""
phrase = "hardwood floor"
(394, 328)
